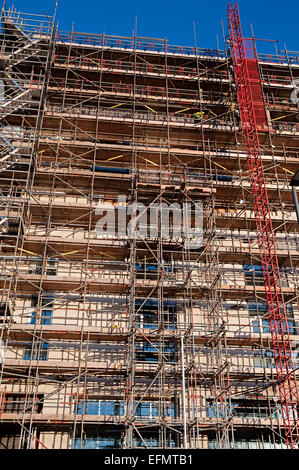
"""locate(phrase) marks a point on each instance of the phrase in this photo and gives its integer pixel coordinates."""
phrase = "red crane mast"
(253, 117)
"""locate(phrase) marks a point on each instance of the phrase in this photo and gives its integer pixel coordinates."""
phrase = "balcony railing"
(289, 127)
(139, 68)
(144, 116)
(140, 43)
(178, 94)
(282, 58)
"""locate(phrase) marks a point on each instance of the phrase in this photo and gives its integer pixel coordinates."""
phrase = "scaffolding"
(120, 340)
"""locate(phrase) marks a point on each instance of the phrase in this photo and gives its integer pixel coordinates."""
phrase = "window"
(264, 358)
(38, 267)
(87, 408)
(111, 408)
(250, 444)
(151, 440)
(253, 275)
(15, 403)
(253, 409)
(51, 267)
(147, 314)
(146, 271)
(100, 407)
(92, 440)
(45, 318)
(216, 410)
(261, 323)
(113, 440)
(290, 319)
(149, 352)
(144, 410)
(149, 410)
(38, 353)
(46, 312)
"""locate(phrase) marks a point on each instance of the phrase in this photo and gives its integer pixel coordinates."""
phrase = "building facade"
(115, 339)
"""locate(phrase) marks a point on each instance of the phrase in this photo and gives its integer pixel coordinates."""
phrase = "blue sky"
(174, 19)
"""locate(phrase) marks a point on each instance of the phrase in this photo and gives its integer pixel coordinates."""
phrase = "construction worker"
(198, 117)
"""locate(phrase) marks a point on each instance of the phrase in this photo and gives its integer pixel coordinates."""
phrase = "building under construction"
(145, 341)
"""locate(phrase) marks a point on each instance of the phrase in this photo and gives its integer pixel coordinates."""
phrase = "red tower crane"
(253, 117)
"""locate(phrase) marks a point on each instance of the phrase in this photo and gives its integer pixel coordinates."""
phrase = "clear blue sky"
(174, 19)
